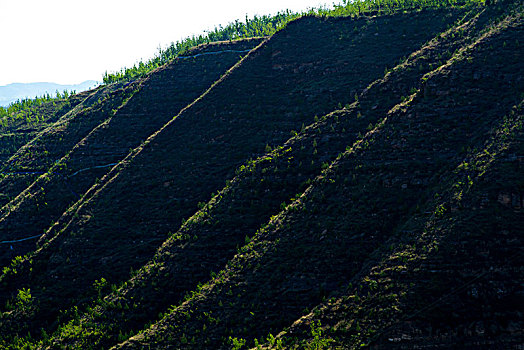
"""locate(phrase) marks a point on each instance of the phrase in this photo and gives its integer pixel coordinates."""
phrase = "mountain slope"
(392, 221)
(201, 157)
(257, 192)
(448, 283)
(314, 248)
(52, 142)
(156, 99)
(21, 126)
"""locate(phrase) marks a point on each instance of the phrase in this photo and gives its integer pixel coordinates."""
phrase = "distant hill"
(12, 92)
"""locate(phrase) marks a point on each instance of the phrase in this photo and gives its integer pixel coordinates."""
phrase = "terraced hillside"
(369, 167)
(208, 140)
(357, 207)
(22, 125)
(49, 144)
(149, 103)
(257, 192)
(415, 295)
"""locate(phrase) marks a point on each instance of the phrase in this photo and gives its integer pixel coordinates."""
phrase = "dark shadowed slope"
(306, 69)
(54, 141)
(159, 97)
(260, 189)
(453, 280)
(358, 207)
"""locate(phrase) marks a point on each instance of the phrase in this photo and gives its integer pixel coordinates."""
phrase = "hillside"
(51, 140)
(347, 182)
(318, 243)
(202, 157)
(101, 143)
(21, 126)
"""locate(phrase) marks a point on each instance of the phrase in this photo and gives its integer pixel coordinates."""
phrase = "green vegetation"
(26, 109)
(259, 26)
(387, 7)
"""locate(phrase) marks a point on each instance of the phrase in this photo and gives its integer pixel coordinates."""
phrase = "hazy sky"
(68, 41)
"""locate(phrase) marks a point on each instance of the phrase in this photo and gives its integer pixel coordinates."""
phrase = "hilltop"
(349, 180)
(19, 91)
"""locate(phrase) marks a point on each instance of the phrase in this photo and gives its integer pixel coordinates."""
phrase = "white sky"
(69, 41)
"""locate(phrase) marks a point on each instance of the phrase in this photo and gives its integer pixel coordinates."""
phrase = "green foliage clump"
(24, 298)
(267, 25)
(258, 26)
(237, 343)
(363, 7)
(319, 341)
